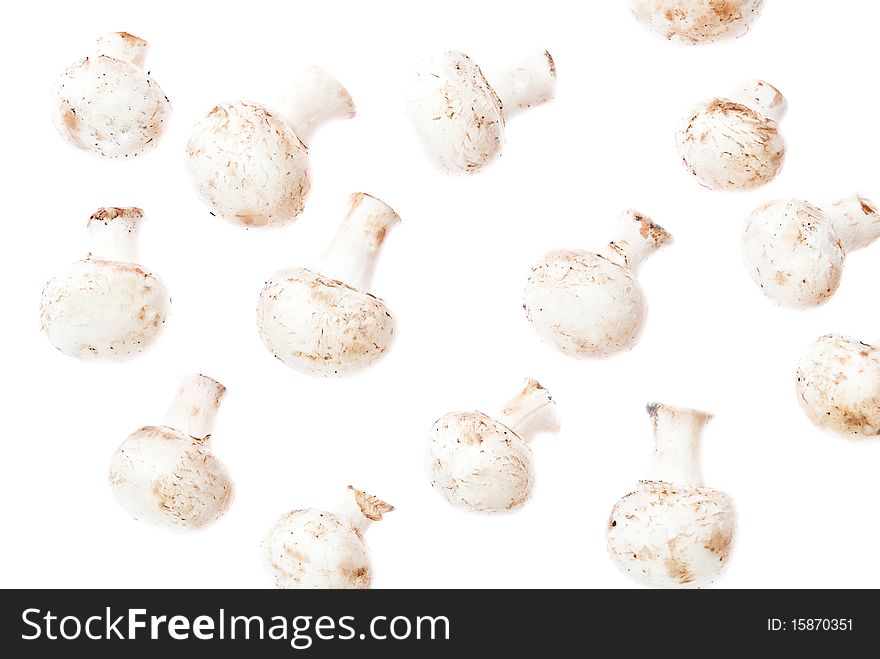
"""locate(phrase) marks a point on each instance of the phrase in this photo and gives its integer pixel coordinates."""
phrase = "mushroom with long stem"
(106, 306)
(482, 464)
(591, 305)
(250, 163)
(311, 548)
(166, 474)
(673, 531)
(838, 386)
(697, 21)
(324, 321)
(461, 118)
(796, 252)
(733, 143)
(107, 104)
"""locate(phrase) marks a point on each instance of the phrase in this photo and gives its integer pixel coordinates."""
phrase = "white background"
(452, 273)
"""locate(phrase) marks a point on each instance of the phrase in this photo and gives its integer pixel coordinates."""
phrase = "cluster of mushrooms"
(249, 164)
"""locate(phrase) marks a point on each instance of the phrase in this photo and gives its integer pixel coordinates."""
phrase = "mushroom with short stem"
(107, 104)
(591, 305)
(324, 322)
(697, 21)
(105, 306)
(461, 118)
(310, 548)
(672, 530)
(734, 143)
(838, 385)
(483, 464)
(250, 163)
(166, 474)
(795, 252)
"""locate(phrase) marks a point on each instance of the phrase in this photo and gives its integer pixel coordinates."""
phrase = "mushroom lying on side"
(672, 530)
(697, 21)
(310, 548)
(105, 306)
(795, 252)
(324, 321)
(485, 465)
(591, 305)
(108, 104)
(250, 163)
(461, 118)
(734, 143)
(166, 474)
(838, 385)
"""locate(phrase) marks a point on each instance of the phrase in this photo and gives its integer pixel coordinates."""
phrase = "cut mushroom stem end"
(677, 434)
(856, 221)
(113, 233)
(315, 99)
(193, 410)
(361, 509)
(761, 96)
(531, 83)
(531, 412)
(638, 238)
(124, 47)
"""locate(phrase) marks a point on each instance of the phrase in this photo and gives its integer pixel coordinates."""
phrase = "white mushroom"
(166, 474)
(250, 163)
(697, 21)
(591, 305)
(312, 548)
(324, 321)
(795, 252)
(734, 143)
(461, 118)
(672, 530)
(485, 465)
(838, 385)
(105, 306)
(108, 104)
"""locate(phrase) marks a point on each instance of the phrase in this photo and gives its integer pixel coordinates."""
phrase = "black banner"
(432, 623)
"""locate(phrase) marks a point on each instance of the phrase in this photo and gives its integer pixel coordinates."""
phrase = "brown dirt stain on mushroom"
(676, 567)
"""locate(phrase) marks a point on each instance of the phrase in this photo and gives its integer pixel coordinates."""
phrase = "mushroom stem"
(123, 46)
(761, 96)
(638, 238)
(360, 509)
(315, 99)
(856, 221)
(193, 410)
(677, 433)
(530, 83)
(351, 256)
(113, 233)
(531, 412)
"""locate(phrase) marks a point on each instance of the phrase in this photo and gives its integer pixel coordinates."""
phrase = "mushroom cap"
(478, 463)
(729, 146)
(457, 114)
(248, 165)
(110, 107)
(838, 385)
(316, 549)
(321, 326)
(584, 304)
(98, 309)
(697, 21)
(793, 252)
(162, 476)
(672, 536)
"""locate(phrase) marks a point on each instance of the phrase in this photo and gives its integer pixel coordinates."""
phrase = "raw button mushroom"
(795, 252)
(591, 305)
(673, 531)
(250, 163)
(106, 306)
(838, 385)
(697, 21)
(166, 474)
(312, 548)
(461, 118)
(485, 465)
(324, 322)
(734, 143)
(108, 104)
